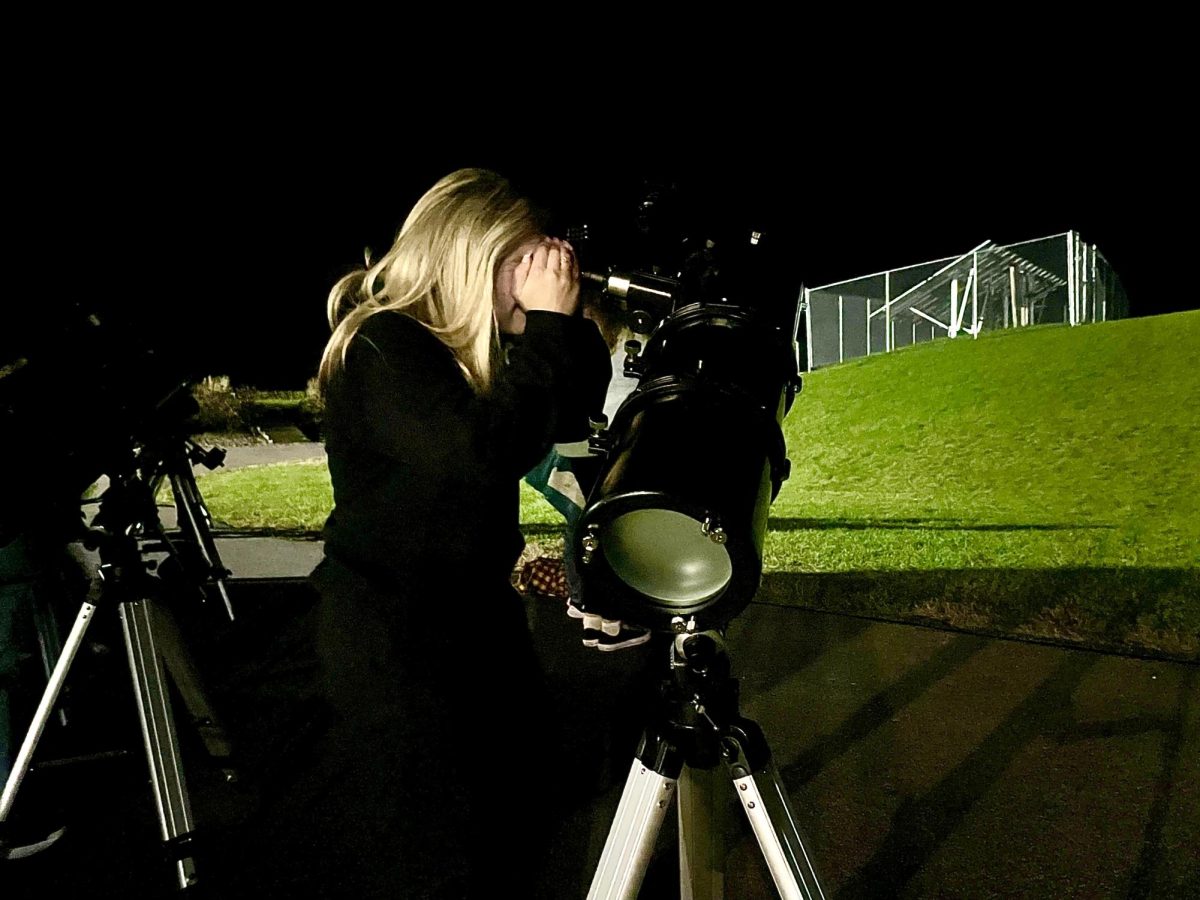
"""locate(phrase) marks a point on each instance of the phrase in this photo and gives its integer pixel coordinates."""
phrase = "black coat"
(425, 472)
(440, 721)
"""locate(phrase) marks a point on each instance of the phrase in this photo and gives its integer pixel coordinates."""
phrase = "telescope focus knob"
(591, 543)
(634, 367)
(711, 528)
(599, 441)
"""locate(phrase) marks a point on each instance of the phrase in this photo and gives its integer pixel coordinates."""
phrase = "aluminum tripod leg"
(698, 723)
(45, 707)
(766, 805)
(158, 733)
(701, 834)
(640, 816)
(49, 643)
(179, 663)
(634, 830)
(193, 515)
(702, 847)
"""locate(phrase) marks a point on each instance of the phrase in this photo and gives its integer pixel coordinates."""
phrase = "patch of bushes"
(310, 411)
(221, 407)
(225, 409)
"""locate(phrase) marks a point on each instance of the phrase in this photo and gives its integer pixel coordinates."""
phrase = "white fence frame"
(957, 280)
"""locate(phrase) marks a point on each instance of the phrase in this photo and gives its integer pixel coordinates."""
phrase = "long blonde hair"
(440, 271)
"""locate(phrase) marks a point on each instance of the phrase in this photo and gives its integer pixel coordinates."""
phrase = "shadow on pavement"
(920, 762)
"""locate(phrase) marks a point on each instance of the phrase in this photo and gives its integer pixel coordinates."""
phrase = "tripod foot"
(213, 735)
(14, 845)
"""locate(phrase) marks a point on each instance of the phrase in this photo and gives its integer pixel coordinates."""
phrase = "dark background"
(218, 225)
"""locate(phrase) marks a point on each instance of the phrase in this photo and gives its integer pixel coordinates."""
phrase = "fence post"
(1071, 277)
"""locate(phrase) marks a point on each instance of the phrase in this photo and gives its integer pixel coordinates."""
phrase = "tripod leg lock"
(658, 752)
(180, 848)
(744, 748)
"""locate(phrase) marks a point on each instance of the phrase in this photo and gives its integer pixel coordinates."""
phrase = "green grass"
(279, 400)
(297, 496)
(287, 496)
(1049, 447)
(1043, 481)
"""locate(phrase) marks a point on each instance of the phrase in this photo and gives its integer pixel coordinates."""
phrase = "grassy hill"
(1049, 446)
(1044, 481)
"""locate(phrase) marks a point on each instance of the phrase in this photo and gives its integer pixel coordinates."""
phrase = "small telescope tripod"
(696, 726)
(127, 517)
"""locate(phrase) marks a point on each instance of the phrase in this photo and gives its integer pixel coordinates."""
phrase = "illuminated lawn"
(1044, 447)
(1000, 465)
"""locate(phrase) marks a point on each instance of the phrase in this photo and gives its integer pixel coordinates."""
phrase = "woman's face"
(510, 315)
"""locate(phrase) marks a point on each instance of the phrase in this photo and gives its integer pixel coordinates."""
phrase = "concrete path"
(922, 763)
(266, 454)
(257, 557)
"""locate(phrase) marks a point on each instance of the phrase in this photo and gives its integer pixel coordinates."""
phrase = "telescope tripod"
(695, 727)
(153, 641)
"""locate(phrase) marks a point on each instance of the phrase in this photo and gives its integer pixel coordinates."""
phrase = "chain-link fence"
(1059, 278)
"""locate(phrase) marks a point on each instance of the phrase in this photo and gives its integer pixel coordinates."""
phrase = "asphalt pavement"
(919, 762)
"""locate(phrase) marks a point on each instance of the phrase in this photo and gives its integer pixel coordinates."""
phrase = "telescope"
(131, 425)
(672, 538)
(676, 520)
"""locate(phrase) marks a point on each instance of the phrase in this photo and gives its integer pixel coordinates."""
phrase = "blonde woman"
(456, 361)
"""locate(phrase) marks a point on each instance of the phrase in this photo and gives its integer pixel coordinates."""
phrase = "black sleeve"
(420, 409)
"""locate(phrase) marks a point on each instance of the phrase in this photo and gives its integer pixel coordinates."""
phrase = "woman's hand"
(548, 278)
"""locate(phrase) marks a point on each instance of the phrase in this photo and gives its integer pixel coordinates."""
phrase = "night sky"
(221, 231)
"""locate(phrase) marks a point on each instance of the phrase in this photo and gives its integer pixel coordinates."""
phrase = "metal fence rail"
(1060, 278)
